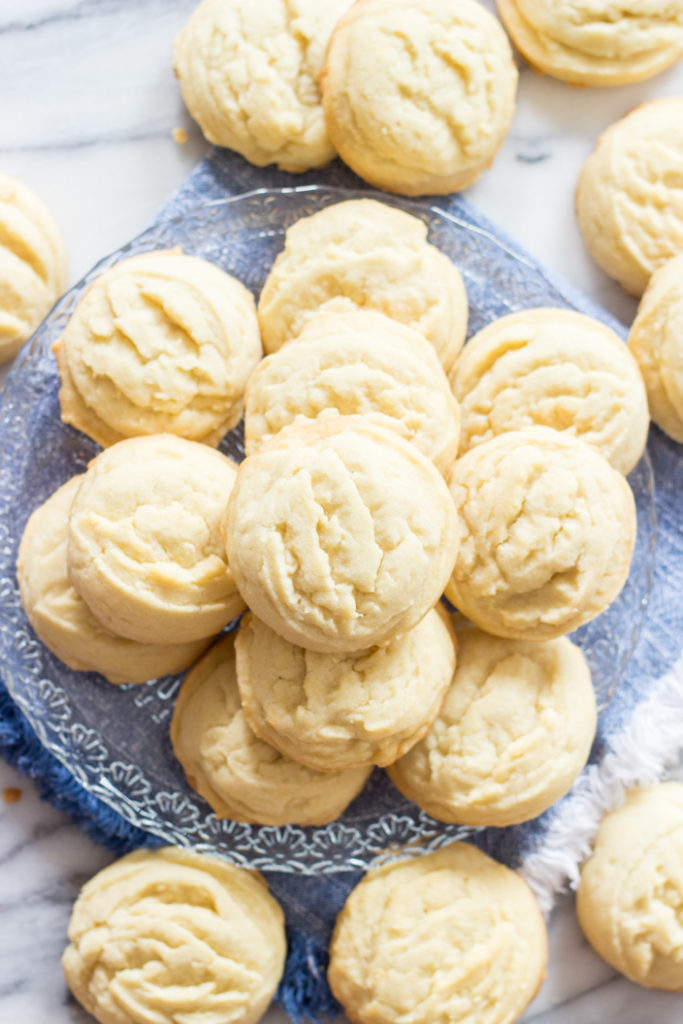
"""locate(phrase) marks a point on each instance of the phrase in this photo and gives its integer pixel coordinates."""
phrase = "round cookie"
(340, 534)
(241, 776)
(630, 893)
(160, 343)
(32, 264)
(418, 97)
(547, 530)
(248, 74)
(447, 936)
(656, 341)
(553, 368)
(628, 200)
(595, 42)
(145, 548)
(333, 712)
(362, 254)
(169, 935)
(62, 619)
(513, 733)
(356, 363)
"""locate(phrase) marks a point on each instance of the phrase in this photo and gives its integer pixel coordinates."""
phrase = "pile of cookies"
(385, 466)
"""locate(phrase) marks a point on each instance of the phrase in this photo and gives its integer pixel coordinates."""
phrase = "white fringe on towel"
(638, 756)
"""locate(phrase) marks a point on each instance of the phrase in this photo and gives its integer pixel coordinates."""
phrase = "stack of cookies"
(340, 531)
(123, 570)
(385, 467)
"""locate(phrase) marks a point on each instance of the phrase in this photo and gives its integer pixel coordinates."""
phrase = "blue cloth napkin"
(312, 902)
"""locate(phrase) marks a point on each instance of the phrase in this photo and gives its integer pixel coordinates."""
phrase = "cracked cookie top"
(418, 97)
(630, 898)
(168, 935)
(355, 363)
(554, 368)
(160, 343)
(340, 534)
(547, 530)
(238, 773)
(629, 199)
(513, 733)
(337, 711)
(145, 548)
(444, 937)
(248, 74)
(364, 255)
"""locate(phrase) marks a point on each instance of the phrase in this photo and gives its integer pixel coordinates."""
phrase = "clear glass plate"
(114, 740)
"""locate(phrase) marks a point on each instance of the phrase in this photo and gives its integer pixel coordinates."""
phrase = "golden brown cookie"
(32, 264)
(595, 42)
(656, 341)
(448, 936)
(547, 530)
(513, 733)
(338, 711)
(249, 76)
(631, 889)
(241, 776)
(356, 363)
(628, 199)
(168, 935)
(159, 343)
(340, 534)
(62, 619)
(361, 254)
(553, 368)
(418, 97)
(145, 548)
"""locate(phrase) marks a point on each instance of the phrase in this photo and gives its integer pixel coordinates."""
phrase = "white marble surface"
(87, 106)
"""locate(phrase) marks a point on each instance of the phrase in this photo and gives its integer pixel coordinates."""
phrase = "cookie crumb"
(11, 795)
(180, 136)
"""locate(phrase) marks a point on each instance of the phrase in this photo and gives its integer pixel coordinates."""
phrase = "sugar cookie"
(448, 936)
(553, 368)
(513, 733)
(418, 97)
(160, 343)
(547, 530)
(656, 341)
(240, 775)
(62, 619)
(631, 889)
(596, 42)
(356, 363)
(333, 711)
(248, 74)
(628, 200)
(340, 534)
(169, 935)
(145, 549)
(32, 264)
(362, 254)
